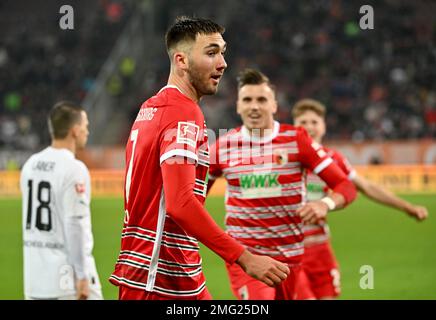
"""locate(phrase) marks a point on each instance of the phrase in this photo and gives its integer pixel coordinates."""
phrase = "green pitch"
(401, 251)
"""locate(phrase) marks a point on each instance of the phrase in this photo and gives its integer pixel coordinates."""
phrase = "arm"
(77, 210)
(343, 193)
(74, 235)
(313, 157)
(187, 211)
(384, 196)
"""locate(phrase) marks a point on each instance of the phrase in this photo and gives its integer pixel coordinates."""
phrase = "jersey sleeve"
(180, 134)
(311, 154)
(215, 170)
(76, 204)
(77, 192)
(344, 164)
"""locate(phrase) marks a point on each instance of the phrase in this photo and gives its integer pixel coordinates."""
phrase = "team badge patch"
(80, 187)
(280, 156)
(187, 133)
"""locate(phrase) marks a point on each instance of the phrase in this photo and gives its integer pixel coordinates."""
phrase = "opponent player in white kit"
(57, 235)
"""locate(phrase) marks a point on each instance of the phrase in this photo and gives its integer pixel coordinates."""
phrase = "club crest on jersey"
(80, 187)
(280, 156)
(187, 133)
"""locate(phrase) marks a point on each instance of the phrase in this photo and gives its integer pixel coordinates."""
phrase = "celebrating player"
(167, 160)
(320, 278)
(56, 190)
(263, 162)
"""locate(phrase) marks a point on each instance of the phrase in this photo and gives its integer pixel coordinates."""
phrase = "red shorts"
(126, 293)
(320, 277)
(245, 287)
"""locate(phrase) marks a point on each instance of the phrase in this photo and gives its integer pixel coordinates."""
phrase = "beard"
(200, 81)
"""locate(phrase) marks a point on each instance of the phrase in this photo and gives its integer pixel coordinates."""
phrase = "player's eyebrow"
(215, 45)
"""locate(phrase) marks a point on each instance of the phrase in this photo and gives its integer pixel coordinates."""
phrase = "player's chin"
(211, 90)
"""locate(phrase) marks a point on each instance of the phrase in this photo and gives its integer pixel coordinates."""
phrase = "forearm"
(383, 196)
(338, 199)
(187, 211)
(344, 191)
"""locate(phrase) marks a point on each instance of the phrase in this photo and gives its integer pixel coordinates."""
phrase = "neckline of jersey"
(65, 150)
(172, 86)
(246, 134)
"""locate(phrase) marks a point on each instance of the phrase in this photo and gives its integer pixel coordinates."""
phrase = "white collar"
(246, 134)
(68, 152)
(171, 86)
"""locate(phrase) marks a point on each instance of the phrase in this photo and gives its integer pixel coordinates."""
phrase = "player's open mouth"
(216, 78)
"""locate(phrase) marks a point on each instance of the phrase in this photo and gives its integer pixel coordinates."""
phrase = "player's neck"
(64, 144)
(262, 132)
(184, 86)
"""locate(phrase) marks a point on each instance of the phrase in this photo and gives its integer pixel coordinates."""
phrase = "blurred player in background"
(56, 193)
(263, 162)
(320, 278)
(167, 158)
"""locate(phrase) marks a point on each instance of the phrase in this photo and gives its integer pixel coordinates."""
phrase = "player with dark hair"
(264, 164)
(167, 158)
(57, 235)
(320, 278)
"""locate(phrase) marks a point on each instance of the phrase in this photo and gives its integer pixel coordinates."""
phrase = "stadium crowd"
(377, 84)
(40, 63)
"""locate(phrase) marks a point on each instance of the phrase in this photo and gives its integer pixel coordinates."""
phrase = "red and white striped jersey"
(316, 189)
(156, 254)
(265, 187)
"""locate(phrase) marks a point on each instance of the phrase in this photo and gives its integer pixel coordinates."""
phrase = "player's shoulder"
(35, 157)
(287, 127)
(176, 106)
(287, 130)
(80, 165)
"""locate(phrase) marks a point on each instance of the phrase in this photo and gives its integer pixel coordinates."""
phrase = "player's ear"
(74, 131)
(180, 60)
(275, 107)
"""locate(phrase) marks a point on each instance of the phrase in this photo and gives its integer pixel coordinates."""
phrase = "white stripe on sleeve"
(178, 152)
(324, 164)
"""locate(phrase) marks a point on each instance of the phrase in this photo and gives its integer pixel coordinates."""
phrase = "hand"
(418, 212)
(313, 211)
(82, 289)
(263, 268)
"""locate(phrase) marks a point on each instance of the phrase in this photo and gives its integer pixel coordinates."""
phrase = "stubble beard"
(199, 82)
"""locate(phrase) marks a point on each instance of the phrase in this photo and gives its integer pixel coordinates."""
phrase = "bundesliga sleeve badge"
(187, 133)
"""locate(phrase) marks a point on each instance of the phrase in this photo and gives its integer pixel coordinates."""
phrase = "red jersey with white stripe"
(317, 189)
(156, 254)
(265, 187)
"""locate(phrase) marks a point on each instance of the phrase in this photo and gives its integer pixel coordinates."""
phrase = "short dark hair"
(252, 76)
(186, 29)
(62, 117)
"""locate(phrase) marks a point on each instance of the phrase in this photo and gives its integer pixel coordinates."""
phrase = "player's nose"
(222, 64)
